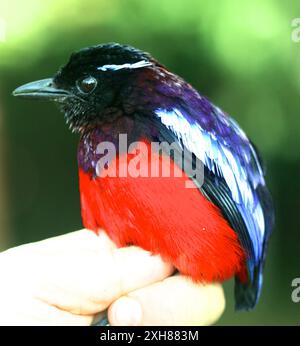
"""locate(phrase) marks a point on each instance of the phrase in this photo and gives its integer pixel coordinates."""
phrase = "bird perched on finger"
(211, 226)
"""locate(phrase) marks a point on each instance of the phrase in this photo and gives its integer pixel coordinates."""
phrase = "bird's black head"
(93, 83)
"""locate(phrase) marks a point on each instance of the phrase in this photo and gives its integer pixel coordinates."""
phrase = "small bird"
(211, 226)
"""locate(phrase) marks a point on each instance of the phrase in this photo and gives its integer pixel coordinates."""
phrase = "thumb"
(174, 301)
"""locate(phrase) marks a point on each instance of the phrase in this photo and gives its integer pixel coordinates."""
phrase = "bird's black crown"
(99, 77)
(98, 80)
(107, 54)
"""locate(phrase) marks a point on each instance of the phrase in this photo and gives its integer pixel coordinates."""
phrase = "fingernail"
(126, 312)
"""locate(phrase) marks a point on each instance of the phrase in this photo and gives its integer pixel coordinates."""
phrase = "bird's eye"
(87, 84)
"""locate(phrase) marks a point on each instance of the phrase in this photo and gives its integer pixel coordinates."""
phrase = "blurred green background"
(240, 54)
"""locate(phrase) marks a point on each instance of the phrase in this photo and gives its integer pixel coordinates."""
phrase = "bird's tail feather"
(247, 293)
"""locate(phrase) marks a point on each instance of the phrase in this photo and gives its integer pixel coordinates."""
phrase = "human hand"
(68, 280)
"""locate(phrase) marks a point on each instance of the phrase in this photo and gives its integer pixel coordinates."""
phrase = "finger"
(82, 272)
(37, 313)
(173, 301)
(89, 284)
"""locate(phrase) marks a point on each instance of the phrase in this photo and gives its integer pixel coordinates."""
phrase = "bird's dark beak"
(41, 90)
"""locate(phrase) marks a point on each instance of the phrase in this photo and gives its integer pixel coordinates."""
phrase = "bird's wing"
(233, 180)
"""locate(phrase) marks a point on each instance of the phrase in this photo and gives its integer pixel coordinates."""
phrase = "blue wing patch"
(224, 149)
(239, 166)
